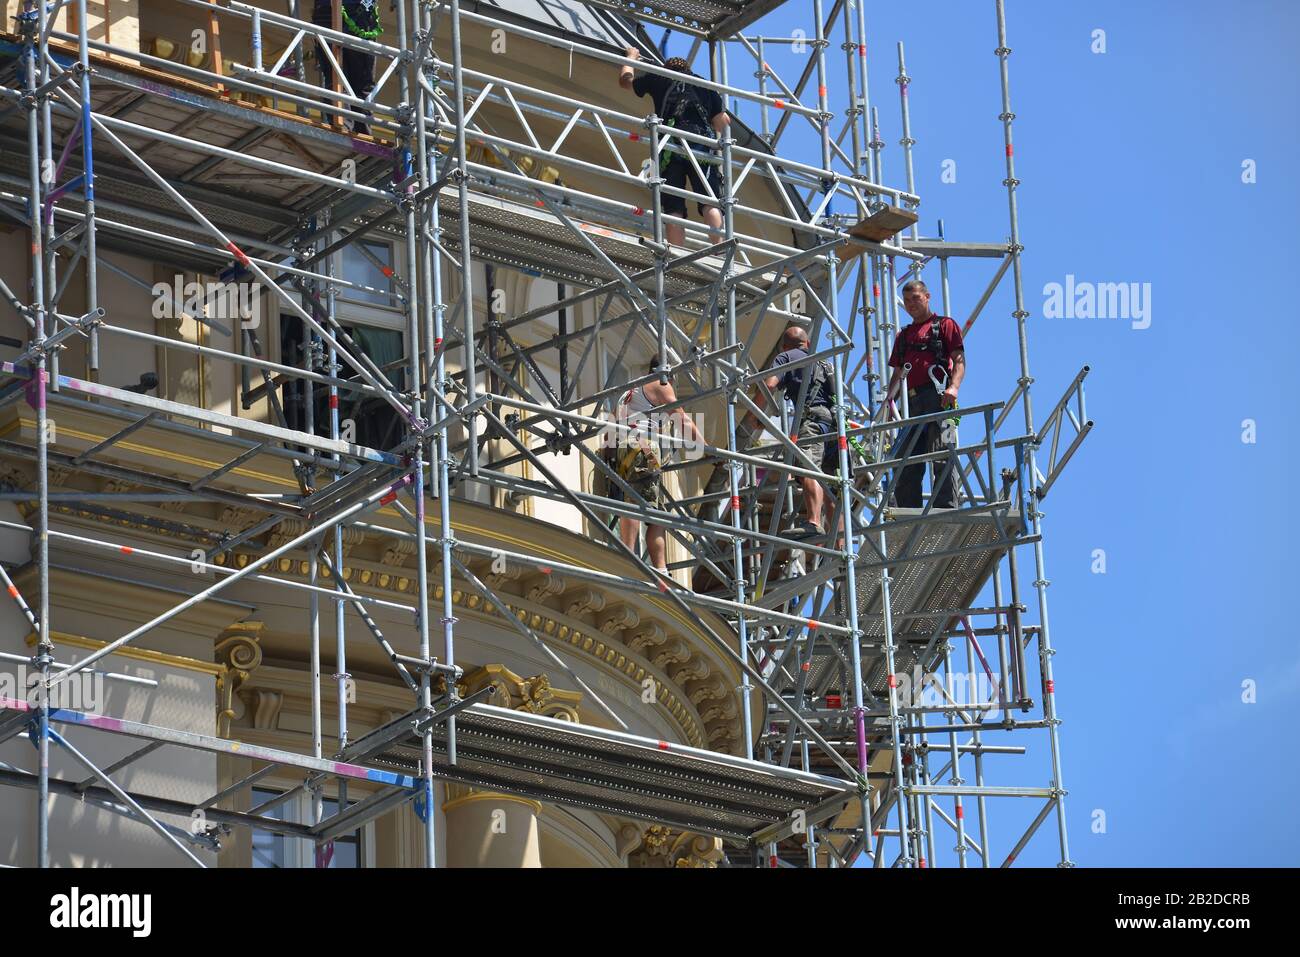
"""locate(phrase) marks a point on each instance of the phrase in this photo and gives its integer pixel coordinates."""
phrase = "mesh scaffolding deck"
(608, 771)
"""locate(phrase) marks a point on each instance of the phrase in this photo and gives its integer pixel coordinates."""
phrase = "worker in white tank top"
(642, 469)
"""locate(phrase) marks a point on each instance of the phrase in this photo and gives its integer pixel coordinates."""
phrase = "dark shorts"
(813, 426)
(679, 172)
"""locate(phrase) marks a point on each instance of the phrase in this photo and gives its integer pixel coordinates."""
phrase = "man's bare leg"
(675, 234)
(656, 544)
(814, 501)
(713, 219)
(628, 530)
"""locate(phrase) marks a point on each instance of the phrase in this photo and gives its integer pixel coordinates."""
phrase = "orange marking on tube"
(388, 499)
(544, 569)
(812, 625)
(806, 666)
(238, 254)
(1010, 150)
(821, 90)
(844, 443)
(893, 681)
(634, 136)
(126, 550)
(334, 402)
(961, 812)
(735, 502)
(779, 104)
(663, 745)
(13, 591)
(1051, 686)
(388, 272)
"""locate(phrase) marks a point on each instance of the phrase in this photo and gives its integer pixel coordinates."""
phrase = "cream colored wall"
(183, 376)
(82, 835)
(121, 27)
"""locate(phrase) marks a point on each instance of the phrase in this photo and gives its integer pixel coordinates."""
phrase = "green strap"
(357, 31)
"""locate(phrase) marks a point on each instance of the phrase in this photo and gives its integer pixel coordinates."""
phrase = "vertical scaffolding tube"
(824, 116)
(850, 586)
(466, 260)
(906, 142)
(1003, 52)
(33, 23)
(733, 467)
(88, 187)
(415, 373)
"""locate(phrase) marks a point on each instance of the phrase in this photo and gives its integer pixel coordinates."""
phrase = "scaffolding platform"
(607, 771)
(940, 571)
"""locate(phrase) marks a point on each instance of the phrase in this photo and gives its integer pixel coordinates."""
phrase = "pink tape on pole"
(35, 389)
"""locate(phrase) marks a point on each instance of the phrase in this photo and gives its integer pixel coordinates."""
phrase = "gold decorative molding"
(533, 695)
(139, 654)
(663, 847)
(238, 651)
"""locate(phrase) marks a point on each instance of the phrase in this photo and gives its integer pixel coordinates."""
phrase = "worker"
(683, 106)
(818, 419)
(932, 345)
(359, 18)
(637, 457)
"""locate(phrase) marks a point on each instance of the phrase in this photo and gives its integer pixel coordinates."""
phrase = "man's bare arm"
(760, 400)
(958, 374)
(625, 72)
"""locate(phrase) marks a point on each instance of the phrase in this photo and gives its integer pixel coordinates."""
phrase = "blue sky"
(1131, 169)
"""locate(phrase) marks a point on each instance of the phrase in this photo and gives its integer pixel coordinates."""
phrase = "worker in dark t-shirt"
(818, 417)
(684, 106)
(933, 346)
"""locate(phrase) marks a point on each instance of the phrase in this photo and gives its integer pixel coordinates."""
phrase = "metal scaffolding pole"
(1020, 314)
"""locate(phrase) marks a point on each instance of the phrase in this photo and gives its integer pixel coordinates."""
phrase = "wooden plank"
(879, 226)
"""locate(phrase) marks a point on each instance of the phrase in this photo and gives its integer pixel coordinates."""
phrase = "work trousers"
(907, 493)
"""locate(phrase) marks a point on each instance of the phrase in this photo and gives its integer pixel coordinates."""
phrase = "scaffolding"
(244, 167)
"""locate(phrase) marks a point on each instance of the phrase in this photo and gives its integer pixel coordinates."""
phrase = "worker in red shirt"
(932, 345)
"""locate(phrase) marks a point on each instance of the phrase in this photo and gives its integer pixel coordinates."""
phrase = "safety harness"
(933, 344)
(686, 100)
(357, 31)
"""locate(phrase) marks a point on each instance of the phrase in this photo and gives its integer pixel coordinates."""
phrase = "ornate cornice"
(139, 654)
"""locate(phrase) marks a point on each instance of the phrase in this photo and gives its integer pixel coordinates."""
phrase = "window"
(351, 850)
(347, 847)
(270, 849)
(355, 266)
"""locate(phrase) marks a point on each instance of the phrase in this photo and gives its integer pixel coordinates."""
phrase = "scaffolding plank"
(609, 771)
